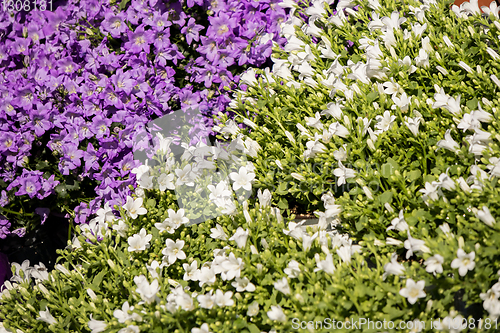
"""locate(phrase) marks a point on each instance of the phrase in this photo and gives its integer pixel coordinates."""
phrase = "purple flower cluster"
(78, 82)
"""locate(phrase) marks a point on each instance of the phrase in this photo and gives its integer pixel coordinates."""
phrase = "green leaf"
(253, 328)
(123, 4)
(96, 282)
(472, 104)
(283, 203)
(389, 168)
(414, 175)
(372, 96)
(385, 197)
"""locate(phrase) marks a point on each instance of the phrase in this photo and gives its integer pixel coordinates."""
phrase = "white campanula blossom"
(223, 299)
(414, 245)
(177, 218)
(139, 242)
(240, 237)
(308, 240)
(264, 197)
(393, 267)
(494, 167)
(326, 265)
(294, 230)
(206, 276)
(242, 179)
(485, 216)
(141, 170)
(173, 251)
(345, 253)
(185, 176)
(413, 124)
(343, 173)
(191, 271)
(146, 290)
(145, 182)
(130, 329)
(218, 233)
(441, 98)
(202, 329)
(422, 60)
(134, 207)
(292, 270)
(413, 290)
(403, 102)
(448, 142)
(207, 301)
(276, 313)
(434, 264)
(282, 286)
(45, 316)
(314, 121)
(464, 262)
(243, 284)
(399, 223)
(385, 121)
(123, 314)
(96, 326)
(166, 182)
(231, 267)
(121, 228)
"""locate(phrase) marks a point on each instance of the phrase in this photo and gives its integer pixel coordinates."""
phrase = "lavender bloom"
(43, 212)
(139, 40)
(114, 24)
(191, 31)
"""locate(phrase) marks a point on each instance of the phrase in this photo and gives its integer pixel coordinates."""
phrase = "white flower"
(130, 329)
(253, 309)
(96, 326)
(464, 262)
(207, 301)
(166, 182)
(123, 314)
(434, 264)
(343, 173)
(173, 251)
(314, 121)
(485, 216)
(203, 329)
(121, 228)
(243, 284)
(465, 66)
(402, 102)
(276, 313)
(145, 182)
(264, 198)
(422, 60)
(413, 291)
(177, 218)
(141, 170)
(134, 207)
(413, 124)
(248, 77)
(393, 267)
(47, 317)
(414, 245)
(105, 214)
(385, 121)
(293, 269)
(344, 253)
(338, 129)
(494, 167)
(191, 271)
(219, 192)
(242, 179)
(218, 233)
(283, 286)
(399, 223)
(185, 176)
(145, 289)
(392, 88)
(223, 299)
(240, 237)
(308, 240)
(448, 142)
(231, 267)
(139, 242)
(326, 265)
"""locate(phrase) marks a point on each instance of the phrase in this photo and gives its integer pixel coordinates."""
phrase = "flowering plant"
(78, 82)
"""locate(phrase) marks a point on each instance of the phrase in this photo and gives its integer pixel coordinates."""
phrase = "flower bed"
(382, 120)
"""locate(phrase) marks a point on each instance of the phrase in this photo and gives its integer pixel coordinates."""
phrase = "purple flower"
(29, 186)
(222, 25)
(43, 212)
(4, 200)
(114, 24)
(123, 81)
(139, 40)
(191, 31)
(19, 232)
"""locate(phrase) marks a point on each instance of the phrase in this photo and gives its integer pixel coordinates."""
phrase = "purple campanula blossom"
(4, 199)
(191, 30)
(139, 40)
(115, 24)
(122, 81)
